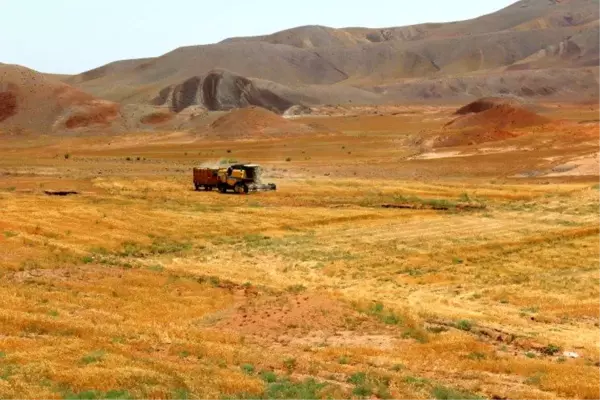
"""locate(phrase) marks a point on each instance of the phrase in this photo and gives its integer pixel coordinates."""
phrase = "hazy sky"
(72, 36)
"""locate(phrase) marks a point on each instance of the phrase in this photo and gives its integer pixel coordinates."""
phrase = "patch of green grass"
(397, 367)
(416, 381)
(181, 394)
(87, 259)
(6, 372)
(445, 393)
(9, 234)
(417, 334)
(268, 376)
(184, 354)
(530, 355)
(464, 197)
(476, 356)
(248, 369)
(388, 317)
(131, 249)
(456, 260)
(365, 385)
(53, 313)
(93, 357)
(285, 389)
(296, 288)
(156, 268)
(464, 325)
(596, 186)
(94, 394)
(534, 379)
(361, 391)
(289, 364)
(159, 246)
(551, 349)
(163, 245)
(343, 360)
(357, 378)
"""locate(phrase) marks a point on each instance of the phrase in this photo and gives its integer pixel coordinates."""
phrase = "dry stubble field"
(140, 287)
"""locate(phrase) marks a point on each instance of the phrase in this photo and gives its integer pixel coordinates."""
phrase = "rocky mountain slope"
(533, 48)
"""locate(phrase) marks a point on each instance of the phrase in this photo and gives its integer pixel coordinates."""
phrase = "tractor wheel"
(197, 187)
(240, 188)
(245, 189)
(222, 189)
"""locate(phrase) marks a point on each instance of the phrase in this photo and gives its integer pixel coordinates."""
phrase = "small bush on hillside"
(464, 325)
(444, 393)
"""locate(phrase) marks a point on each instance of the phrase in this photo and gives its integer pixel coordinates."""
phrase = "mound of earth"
(294, 314)
(32, 101)
(485, 103)
(157, 117)
(254, 121)
(499, 116)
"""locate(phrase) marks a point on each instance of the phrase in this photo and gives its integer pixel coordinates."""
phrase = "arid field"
(484, 286)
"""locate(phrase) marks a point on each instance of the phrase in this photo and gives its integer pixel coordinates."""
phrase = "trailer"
(206, 178)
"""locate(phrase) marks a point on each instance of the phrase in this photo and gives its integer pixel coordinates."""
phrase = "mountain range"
(533, 48)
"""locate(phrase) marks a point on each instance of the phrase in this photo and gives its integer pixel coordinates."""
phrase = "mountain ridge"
(532, 48)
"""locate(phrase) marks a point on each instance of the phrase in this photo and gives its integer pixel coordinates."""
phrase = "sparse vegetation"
(289, 364)
(248, 369)
(464, 325)
(144, 288)
(93, 357)
(445, 393)
(551, 349)
(93, 394)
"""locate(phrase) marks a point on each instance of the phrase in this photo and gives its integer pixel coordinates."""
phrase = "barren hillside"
(543, 44)
(31, 101)
(544, 49)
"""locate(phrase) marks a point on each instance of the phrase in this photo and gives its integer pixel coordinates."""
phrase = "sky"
(73, 36)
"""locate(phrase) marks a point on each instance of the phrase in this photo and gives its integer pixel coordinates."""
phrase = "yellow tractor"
(241, 178)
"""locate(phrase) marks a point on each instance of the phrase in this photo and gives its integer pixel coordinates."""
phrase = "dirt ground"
(140, 287)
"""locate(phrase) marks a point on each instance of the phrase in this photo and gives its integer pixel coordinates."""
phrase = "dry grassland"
(140, 287)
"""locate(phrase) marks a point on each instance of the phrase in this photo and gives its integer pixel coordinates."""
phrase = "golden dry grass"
(141, 287)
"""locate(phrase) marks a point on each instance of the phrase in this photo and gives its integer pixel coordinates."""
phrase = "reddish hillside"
(32, 101)
(501, 116)
(487, 120)
(254, 121)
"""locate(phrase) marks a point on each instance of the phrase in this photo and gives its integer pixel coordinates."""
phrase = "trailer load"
(239, 178)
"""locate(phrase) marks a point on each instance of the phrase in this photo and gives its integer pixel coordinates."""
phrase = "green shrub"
(444, 393)
(84, 395)
(464, 325)
(551, 349)
(248, 369)
(268, 376)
